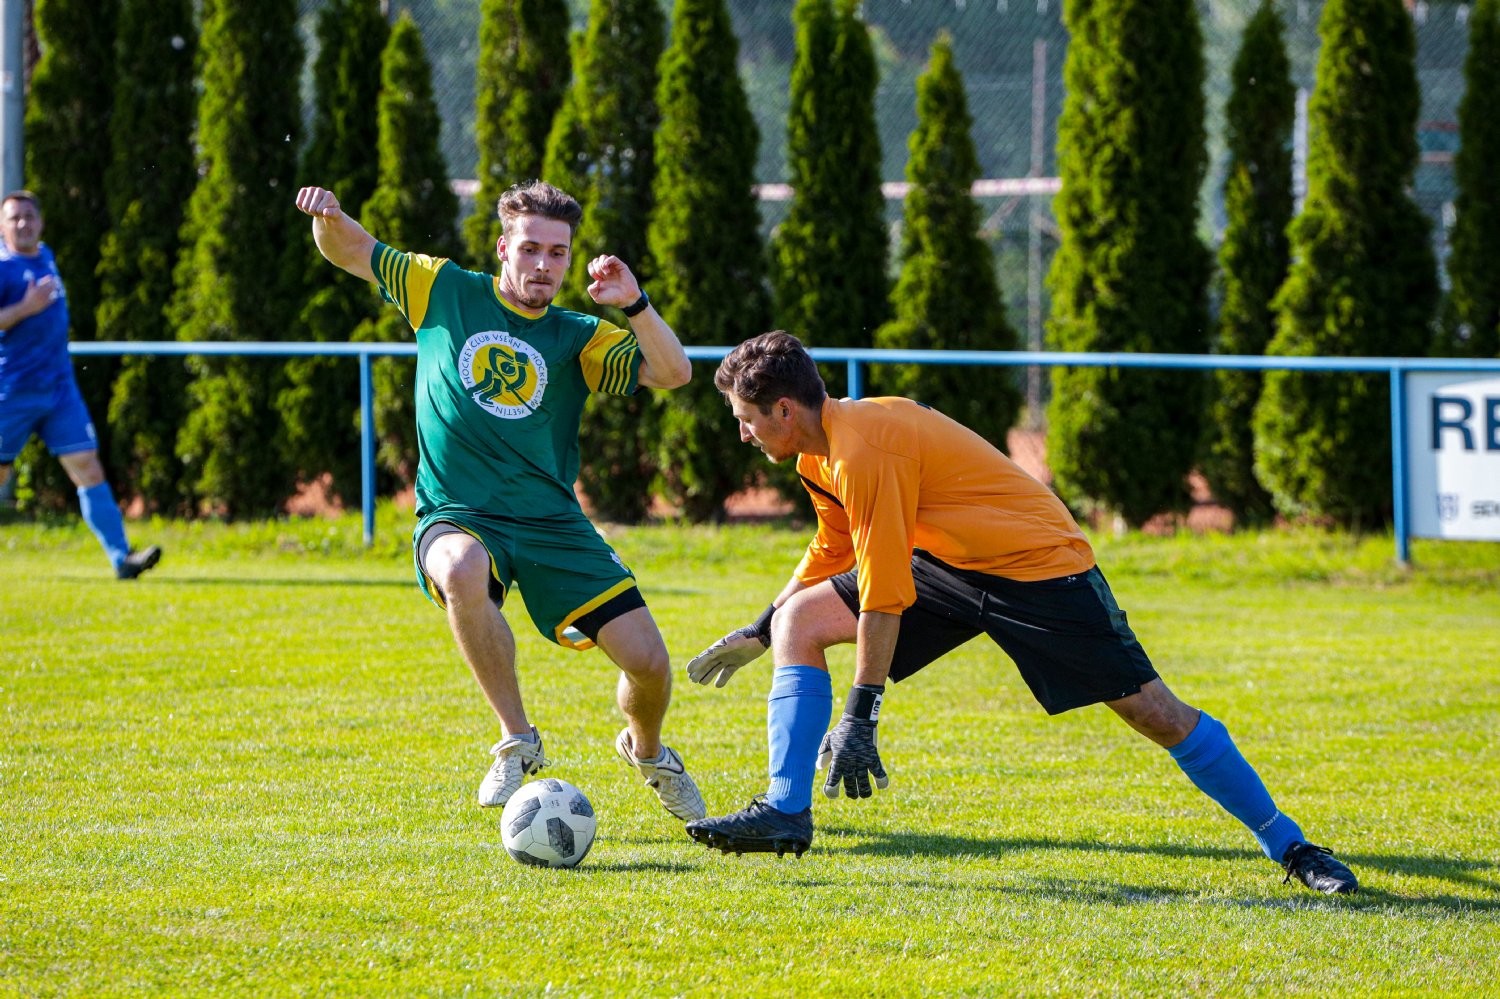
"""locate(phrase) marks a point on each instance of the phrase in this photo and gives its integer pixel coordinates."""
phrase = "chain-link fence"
(1011, 54)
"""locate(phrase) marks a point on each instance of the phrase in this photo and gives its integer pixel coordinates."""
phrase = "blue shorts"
(57, 415)
(1067, 636)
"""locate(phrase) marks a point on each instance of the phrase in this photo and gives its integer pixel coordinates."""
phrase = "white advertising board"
(1453, 455)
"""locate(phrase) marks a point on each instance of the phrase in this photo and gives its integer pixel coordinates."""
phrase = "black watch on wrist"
(637, 307)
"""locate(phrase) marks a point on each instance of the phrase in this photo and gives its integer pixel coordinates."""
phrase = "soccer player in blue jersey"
(502, 376)
(38, 394)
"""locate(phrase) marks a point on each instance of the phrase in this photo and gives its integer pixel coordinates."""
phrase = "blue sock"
(1209, 757)
(797, 714)
(102, 515)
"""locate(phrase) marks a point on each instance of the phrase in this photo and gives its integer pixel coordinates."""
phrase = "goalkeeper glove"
(732, 651)
(848, 749)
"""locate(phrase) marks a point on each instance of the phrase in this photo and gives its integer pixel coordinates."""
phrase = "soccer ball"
(548, 823)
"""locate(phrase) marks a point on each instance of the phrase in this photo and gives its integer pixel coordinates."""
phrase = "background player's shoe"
(757, 829)
(1316, 867)
(667, 776)
(515, 760)
(138, 562)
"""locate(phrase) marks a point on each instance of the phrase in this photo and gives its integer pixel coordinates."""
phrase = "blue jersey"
(33, 352)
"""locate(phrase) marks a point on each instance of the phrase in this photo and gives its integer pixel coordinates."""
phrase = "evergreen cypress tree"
(237, 277)
(1363, 279)
(413, 209)
(1254, 256)
(947, 296)
(68, 143)
(149, 181)
(522, 76)
(829, 256)
(67, 151)
(602, 152)
(571, 158)
(1474, 264)
(317, 405)
(708, 261)
(1131, 274)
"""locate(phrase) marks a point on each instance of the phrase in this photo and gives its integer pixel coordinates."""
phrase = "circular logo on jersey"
(506, 376)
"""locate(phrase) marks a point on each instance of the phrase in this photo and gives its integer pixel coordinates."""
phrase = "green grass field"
(252, 772)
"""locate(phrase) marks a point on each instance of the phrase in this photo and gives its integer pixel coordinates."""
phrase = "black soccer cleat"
(757, 829)
(138, 562)
(1316, 867)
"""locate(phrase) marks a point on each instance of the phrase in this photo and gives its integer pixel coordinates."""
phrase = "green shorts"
(573, 581)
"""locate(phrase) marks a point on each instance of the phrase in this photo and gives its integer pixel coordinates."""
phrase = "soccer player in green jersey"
(502, 376)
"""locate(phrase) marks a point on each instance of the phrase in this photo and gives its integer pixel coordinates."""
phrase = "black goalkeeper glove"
(848, 749)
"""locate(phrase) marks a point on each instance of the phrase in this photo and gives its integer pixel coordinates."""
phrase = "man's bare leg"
(644, 691)
(460, 567)
(634, 644)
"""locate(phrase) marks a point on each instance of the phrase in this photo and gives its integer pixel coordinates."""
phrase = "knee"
(649, 664)
(463, 577)
(789, 625)
(800, 629)
(84, 469)
(1157, 714)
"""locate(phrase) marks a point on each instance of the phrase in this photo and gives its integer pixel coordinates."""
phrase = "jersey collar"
(510, 306)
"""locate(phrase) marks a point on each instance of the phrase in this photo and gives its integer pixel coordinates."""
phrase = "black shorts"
(1067, 635)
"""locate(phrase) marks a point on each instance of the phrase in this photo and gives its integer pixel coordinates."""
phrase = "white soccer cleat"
(667, 776)
(515, 760)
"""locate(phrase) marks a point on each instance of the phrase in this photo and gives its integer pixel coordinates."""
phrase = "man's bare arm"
(340, 239)
(793, 587)
(875, 646)
(664, 364)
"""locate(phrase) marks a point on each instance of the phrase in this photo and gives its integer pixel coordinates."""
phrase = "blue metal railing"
(856, 359)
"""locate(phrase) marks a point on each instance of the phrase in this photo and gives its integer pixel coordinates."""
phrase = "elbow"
(679, 376)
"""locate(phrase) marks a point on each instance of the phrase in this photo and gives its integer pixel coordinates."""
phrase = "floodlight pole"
(12, 94)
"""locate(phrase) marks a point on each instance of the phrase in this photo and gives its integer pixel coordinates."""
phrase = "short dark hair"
(537, 197)
(768, 367)
(24, 196)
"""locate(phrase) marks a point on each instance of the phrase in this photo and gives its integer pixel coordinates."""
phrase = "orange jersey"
(900, 476)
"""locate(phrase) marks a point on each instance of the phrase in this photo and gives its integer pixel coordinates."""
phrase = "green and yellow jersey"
(500, 390)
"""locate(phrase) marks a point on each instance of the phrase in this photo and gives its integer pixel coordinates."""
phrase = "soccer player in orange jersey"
(927, 537)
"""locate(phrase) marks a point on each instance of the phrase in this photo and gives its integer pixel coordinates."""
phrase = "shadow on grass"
(1477, 874)
(941, 845)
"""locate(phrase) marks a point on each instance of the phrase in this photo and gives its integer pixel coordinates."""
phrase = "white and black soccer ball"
(548, 823)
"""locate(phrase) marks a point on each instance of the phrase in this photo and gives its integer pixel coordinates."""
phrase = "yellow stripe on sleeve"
(608, 360)
(407, 280)
(620, 357)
